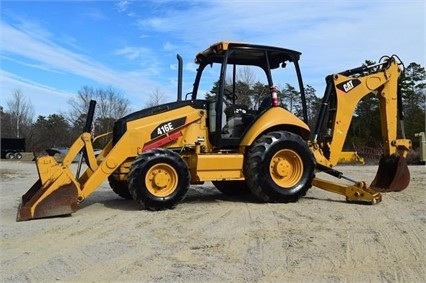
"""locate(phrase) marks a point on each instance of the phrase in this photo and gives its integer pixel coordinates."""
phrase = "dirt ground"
(210, 237)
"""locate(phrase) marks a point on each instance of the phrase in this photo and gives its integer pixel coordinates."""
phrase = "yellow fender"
(272, 118)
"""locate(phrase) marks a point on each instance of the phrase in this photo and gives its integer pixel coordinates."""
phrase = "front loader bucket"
(54, 194)
(392, 175)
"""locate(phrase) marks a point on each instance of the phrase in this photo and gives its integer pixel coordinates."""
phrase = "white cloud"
(96, 15)
(133, 53)
(36, 46)
(168, 47)
(332, 36)
(298, 24)
(122, 5)
(45, 99)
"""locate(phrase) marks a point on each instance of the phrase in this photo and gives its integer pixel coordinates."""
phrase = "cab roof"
(247, 54)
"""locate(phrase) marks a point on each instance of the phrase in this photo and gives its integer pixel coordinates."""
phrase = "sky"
(49, 50)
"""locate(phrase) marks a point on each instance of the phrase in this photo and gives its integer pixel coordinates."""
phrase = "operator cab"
(236, 79)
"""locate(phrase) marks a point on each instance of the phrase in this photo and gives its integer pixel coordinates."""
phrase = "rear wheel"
(231, 188)
(17, 155)
(121, 188)
(279, 167)
(158, 179)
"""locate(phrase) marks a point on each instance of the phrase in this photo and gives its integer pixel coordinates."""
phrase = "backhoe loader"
(236, 141)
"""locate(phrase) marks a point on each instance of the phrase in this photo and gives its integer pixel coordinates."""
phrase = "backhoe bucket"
(392, 175)
(54, 194)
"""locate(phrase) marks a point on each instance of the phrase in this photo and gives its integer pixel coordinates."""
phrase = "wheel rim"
(161, 180)
(286, 168)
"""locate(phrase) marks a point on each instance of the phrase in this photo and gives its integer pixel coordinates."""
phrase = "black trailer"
(12, 148)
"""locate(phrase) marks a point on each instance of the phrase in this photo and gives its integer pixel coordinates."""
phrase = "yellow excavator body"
(155, 154)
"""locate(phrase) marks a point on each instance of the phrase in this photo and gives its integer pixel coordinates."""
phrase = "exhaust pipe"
(180, 75)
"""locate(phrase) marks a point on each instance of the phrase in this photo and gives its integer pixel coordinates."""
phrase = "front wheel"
(158, 179)
(121, 188)
(279, 167)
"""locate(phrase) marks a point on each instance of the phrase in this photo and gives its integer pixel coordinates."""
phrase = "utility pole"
(17, 124)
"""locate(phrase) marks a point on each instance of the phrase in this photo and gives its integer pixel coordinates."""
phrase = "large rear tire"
(159, 179)
(279, 167)
(121, 188)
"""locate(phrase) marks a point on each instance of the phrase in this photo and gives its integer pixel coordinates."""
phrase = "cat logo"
(347, 86)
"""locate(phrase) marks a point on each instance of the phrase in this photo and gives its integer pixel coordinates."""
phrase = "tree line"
(61, 129)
